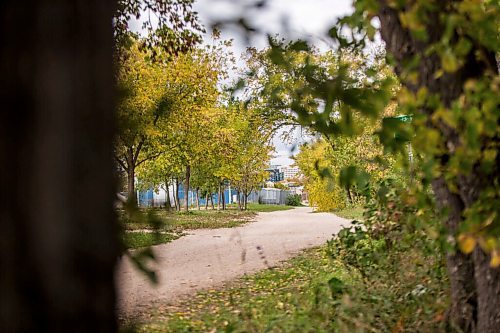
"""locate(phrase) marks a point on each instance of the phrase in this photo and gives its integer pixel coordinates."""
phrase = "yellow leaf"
(466, 243)
(449, 61)
(495, 259)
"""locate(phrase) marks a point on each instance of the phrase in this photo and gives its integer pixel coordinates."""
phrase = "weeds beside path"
(351, 213)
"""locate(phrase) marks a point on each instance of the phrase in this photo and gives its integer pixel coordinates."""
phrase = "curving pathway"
(207, 258)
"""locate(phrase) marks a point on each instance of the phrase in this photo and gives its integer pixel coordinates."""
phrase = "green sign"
(404, 118)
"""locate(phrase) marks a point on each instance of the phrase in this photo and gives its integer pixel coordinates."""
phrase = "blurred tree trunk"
(176, 197)
(219, 197)
(58, 239)
(198, 198)
(212, 200)
(132, 195)
(186, 188)
(168, 205)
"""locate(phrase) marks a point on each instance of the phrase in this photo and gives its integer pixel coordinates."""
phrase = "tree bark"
(58, 239)
(186, 188)
(132, 195)
(198, 198)
(206, 202)
(223, 195)
(219, 197)
(168, 205)
(177, 202)
(460, 266)
(212, 201)
(238, 199)
(488, 293)
(245, 199)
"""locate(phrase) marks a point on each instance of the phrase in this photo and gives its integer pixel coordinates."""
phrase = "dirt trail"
(206, 258)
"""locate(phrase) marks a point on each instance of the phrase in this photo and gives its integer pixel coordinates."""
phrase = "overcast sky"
(289, 18)
(306, 19)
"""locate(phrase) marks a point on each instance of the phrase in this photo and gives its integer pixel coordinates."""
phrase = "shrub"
(326, 195)
(293, 200)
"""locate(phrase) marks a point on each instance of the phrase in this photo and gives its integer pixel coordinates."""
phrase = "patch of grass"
(180, 221)
(138, 232)
(135, 240)
(267, 208)
(351, 213)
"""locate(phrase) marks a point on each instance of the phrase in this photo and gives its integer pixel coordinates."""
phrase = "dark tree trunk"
(198, 198)
(212, 200)
(475, 287)
(168, 205)
(488, 293)
(132, 195)
(238, 199)
(186, 188)
(223, 194)
(58, 239)
(459, 265)
(176, 198)
(219, 197)
(206, 202)
(245, 199)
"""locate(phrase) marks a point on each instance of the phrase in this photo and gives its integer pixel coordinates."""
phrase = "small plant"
(293, 200)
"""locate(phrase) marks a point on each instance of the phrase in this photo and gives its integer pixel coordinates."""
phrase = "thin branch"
(121, 163)
(151, 157)
(138, 150)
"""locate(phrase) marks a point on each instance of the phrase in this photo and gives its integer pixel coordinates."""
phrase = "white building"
(289, 172)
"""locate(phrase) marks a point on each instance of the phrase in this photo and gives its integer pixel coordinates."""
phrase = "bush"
(293, 200)
(357, 248)
(326, 195)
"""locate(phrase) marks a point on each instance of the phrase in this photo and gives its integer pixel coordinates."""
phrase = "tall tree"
(141, 111)
(252, 146)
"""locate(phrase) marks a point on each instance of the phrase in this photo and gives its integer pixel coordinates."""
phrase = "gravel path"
(207, 258)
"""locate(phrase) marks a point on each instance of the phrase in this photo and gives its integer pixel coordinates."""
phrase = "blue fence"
(266, 196)
(147, 199)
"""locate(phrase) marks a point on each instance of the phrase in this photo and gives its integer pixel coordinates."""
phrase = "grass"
(171, 225)
(135, 240)
(318, 292)
(254, 207)
(351, 213)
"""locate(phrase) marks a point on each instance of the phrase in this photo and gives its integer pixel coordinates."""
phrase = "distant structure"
(275, 175)
(289, 172)
(278, 173)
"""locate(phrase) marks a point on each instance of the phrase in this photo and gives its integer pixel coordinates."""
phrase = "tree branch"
(148, 158)
(138, 150)
(121, 163)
